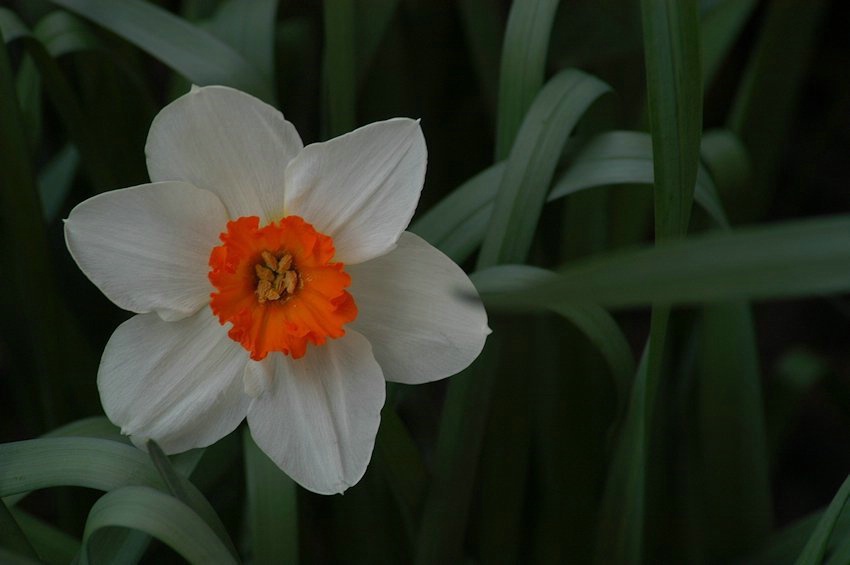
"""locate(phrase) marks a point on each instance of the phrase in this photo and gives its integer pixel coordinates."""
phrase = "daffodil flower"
(272, 281)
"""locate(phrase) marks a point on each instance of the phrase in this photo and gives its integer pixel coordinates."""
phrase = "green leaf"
(172, 480)
(728, 162)
(403, 466)
(483, 27)
(56, 179)
(621, 517)
(9, 558)
(248, 27)
(446, 509)
(625, 157)
(272, 507)
(187, 49)
(767, 95)
(456, 225)
(799, 258)
(51, 543)
(94, 427)
(30, 272)
(733, 462)
(62, 97)
(159, 515)
(12, 536)
(372, 20)
(531, 164)
(674, 88)
(719, 29)
(340, 67)
(523, 65)
(815, 549)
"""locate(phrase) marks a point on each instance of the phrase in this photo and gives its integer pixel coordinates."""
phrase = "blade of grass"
(531, 164)
(768, 93)
(159, 515)
(815, 549)
(404, 468)
(55, 180)
(248, 27)
(9, 558)
(674, 98)
(25, 234)
(625, 157)
(733, 444)
(799, 258)
(483, 28)
(446, 509)
(340, 67)
(272, 507)
(372, 20)
(12, 536)
(523, 66)
(62, 97)
(51, 543)
(186, 48)
(719, 29)
(457, 224)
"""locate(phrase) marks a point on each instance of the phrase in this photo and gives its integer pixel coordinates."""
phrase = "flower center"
(276, 277)
(278, 287)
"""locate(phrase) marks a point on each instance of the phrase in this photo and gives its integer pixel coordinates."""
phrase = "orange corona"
(278, 286)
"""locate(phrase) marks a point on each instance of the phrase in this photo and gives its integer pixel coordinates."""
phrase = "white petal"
(178, 383)
(227, 142)
(147, 248)
(319, 415)
(360, 188)
(419, 311)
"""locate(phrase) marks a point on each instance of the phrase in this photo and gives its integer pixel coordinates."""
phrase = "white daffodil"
(272, 281)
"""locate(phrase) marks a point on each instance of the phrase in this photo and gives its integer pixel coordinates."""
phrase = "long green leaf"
(531, 164)
(272, 507)
(620, 526)
(523, 66)
(248, 27)
(340, 67)
(62, 97)
(12, 536)
(719, 29)
(762, 110)
(800, 258)
(453, 225)
(52, 544)
(625, 157)
(77, 461)
(674, 88)
(815, 548)
(159, 515)
(187, 49)
(446, 509)
(457, 224)
(403, 467)
(732, 442)
(55, 181)
(24, 234)
(483, 28)
(372, 20)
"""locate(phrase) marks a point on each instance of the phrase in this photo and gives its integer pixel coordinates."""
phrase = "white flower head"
(272, 281)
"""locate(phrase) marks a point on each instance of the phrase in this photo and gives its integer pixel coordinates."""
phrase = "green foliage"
(644, 390)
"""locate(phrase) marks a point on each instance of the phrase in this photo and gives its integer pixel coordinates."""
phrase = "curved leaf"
(189, 50)
(524, 52)
(800, 258)
(159, 515)
(531, 164)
